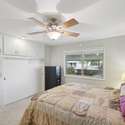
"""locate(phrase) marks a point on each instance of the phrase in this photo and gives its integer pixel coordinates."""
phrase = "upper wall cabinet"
(0, 44)
(18, 47)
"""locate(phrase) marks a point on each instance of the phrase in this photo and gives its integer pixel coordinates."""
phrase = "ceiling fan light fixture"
(54, 35)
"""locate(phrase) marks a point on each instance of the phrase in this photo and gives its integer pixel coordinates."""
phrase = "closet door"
(1, 83)
(22, 78)
(1, 73)
(0, 44)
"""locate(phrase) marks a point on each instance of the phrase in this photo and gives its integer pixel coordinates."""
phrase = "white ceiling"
(98, 18)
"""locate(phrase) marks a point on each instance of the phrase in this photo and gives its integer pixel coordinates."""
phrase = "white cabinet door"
(17, 47)
(14, 46)
(35, 49)
(0, 44)
(1, 83)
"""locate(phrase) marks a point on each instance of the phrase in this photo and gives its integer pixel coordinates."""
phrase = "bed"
(74, 104)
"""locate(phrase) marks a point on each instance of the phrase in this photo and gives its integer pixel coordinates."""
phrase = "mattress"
(74, 104)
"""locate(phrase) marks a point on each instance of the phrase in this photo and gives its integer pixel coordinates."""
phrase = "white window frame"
(82, 52)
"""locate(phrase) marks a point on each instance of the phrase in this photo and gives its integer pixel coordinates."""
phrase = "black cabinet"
(52, 76)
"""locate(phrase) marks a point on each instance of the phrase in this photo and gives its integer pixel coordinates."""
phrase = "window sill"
(83, 77)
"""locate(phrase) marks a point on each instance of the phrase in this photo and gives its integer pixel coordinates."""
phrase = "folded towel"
(81, 108)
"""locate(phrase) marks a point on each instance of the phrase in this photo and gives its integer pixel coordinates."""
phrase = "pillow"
(122, 105)
(122, 99)
(122, 90)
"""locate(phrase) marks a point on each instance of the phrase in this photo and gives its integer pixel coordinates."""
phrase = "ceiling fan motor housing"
(53, 18)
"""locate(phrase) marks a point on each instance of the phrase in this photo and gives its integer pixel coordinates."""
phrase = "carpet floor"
(11, 114)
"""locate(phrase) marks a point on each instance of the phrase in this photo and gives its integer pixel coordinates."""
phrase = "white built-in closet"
(21, 68)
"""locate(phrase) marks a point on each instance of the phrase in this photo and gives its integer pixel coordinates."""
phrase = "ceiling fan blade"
(37, 22)
(35, 33)
(70, 23)
(73, 34)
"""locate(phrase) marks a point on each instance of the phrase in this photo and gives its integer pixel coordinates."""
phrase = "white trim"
(78, 51)
(82, 52)
(20, 57)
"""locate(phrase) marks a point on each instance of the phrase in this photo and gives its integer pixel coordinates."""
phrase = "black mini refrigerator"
(52, 76)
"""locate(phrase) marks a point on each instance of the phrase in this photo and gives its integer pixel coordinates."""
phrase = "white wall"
(114, 59)
(47, 55)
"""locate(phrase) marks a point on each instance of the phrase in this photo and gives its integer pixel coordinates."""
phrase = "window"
(88, 63)
(74, 64)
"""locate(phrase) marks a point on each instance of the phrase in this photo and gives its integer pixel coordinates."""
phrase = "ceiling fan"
(54, 29)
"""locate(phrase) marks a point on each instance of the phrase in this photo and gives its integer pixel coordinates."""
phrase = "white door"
(21, 79)
(1, 83)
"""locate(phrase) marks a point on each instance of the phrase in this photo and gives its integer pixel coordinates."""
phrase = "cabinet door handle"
(4, 78)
